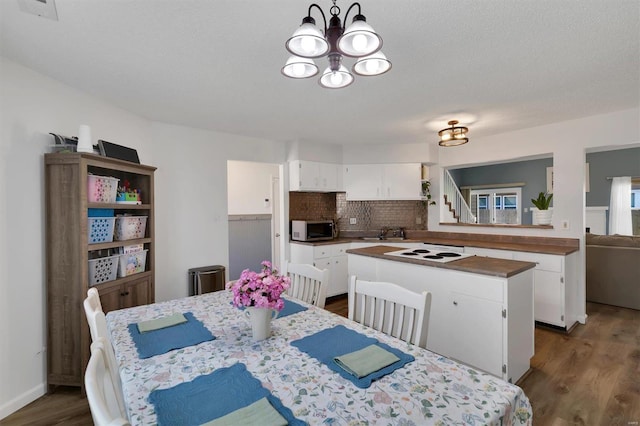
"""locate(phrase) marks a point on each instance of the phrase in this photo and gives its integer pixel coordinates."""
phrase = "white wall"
(31, 106)
(323, 153)
(191, 199)
(376, 154)
(249, 185)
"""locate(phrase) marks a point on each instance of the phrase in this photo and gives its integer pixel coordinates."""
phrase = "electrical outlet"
(418, 220)
(353, 221)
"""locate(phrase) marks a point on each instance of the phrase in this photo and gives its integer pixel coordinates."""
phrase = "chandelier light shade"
(375, 64)
(297, 67)
(307, 41)
(454, 135)
(336, 79)
(358, 40)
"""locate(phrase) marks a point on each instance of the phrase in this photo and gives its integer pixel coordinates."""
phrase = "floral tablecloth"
(431, 390)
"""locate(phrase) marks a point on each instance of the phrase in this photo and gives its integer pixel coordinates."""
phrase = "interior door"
(276, 239)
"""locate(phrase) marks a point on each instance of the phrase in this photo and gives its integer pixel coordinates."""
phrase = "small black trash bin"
(206, 279)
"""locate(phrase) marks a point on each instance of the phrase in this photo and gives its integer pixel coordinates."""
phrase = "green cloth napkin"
(164, 322)
(260, 413)
(365, 361)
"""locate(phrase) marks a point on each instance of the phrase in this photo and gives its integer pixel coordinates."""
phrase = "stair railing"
(462, 211)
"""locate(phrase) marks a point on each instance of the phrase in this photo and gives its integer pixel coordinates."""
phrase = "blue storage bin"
(100, 212)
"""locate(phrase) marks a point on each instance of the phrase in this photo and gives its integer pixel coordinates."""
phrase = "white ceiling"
(496, 65)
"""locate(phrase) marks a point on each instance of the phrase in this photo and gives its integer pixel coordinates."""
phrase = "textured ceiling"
(496, 65)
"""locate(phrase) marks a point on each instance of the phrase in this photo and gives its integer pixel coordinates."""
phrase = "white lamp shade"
(375, 64)
(359, 39)
(307, 42)
(336, 79)
(297, 67)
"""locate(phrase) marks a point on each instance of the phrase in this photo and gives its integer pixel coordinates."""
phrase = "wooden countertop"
(532, 247)
(475, 264)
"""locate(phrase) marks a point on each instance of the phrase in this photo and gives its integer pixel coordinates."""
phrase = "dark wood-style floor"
(589, 377)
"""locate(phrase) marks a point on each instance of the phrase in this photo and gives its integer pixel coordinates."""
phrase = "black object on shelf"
(112, 150)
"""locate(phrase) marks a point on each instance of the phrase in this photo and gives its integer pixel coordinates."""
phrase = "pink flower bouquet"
(260, 290)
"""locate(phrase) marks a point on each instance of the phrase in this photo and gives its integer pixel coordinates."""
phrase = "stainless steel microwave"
(312, 230)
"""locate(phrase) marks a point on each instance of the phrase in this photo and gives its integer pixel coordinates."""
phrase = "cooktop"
(431, 255)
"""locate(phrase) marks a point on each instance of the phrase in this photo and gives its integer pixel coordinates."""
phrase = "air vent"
(44, 8)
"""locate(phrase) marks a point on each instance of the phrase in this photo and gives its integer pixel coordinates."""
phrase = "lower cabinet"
(125, 295)
(484, 321)
(555, 282)
(327, 256)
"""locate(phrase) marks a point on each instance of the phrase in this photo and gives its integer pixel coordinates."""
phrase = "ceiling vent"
(44, 8)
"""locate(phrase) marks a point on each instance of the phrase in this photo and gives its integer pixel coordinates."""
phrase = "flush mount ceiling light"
(358, 40)
(453, 136)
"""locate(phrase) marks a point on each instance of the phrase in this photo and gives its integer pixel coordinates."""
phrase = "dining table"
(429, 389)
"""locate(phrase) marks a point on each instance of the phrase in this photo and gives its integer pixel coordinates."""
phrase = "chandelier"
(358, 40)
(454, 135)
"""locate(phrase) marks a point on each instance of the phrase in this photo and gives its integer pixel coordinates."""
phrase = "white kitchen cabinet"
(481, 320)
(555, 283)
(314, 176)
(382, 182)
(326, 256)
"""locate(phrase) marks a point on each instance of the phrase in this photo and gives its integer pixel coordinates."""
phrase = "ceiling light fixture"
(453, 136)
(358, 41)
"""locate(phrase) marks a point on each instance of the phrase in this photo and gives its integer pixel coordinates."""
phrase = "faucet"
(399, 232)
(383, 233)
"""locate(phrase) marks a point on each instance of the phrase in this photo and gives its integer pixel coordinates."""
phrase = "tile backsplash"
(369, 215)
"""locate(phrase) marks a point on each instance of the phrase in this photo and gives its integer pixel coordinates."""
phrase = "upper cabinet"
(314, 176)
(364, 182)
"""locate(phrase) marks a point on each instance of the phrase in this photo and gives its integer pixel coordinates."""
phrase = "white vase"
(543, 217)
(260, 319)
(84, 139)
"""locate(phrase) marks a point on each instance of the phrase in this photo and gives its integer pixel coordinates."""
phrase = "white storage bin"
(130, 227)
(102, 189)
(132, 263)
(100, 229)
(102, 269)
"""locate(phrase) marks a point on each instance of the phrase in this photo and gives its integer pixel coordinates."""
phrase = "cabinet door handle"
(455, 303)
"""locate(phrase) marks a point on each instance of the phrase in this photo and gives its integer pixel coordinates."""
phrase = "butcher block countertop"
(556, 246)
(474, 264)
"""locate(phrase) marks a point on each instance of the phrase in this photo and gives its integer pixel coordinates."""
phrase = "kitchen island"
(481, 308)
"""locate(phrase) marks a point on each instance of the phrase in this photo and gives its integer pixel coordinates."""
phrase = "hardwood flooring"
(590, 377)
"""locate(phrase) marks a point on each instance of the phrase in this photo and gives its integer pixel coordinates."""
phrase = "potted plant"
(426, 192)
(542, 203)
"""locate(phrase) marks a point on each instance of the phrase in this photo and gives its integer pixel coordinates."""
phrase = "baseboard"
(20, 401)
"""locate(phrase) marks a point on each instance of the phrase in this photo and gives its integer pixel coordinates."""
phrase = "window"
(635, 198)
(497, 205)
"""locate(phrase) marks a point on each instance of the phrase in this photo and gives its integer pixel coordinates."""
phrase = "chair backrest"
(94, 299)
(104, 396)
(390, 308)
(95, 315)
(308, 283)
(98, 328)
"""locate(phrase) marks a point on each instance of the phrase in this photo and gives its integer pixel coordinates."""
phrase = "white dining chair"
(308, 283)
(104, 396)
(98, 329)
(391, 309)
